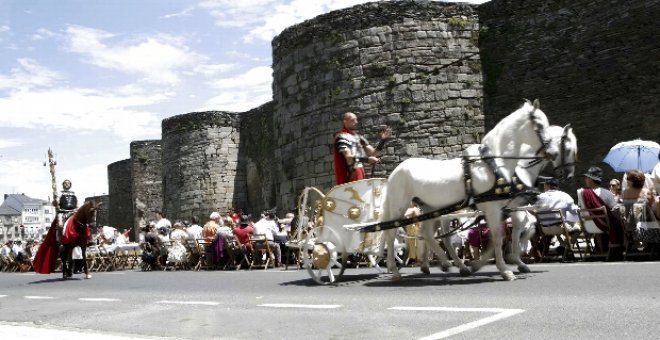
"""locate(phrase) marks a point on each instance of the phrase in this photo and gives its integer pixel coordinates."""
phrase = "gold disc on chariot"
(330, 204)
(320, 256)
(354, 213)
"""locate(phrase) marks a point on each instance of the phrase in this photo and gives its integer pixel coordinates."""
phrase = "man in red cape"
(46, 257)
(351, 150)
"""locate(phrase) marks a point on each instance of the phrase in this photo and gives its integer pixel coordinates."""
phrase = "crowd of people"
(631, 227)
(164, 242)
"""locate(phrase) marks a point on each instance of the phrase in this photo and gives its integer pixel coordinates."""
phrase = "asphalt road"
(555, 301)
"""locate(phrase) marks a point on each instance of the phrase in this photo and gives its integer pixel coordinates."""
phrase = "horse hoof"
(474, 267)
(524, 269)
(465, 271)
(508, 275)
(396, 277)
(425, 270)
(88, 276)
(445, 267)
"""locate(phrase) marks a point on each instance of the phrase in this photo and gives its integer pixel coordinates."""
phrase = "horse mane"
(528, 113)
(85, 213)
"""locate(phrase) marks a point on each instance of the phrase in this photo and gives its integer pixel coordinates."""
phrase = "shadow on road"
(58, 279)
(346, 279)
(413, 280)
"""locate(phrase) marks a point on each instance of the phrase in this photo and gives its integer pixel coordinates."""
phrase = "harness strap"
(502, 181)
(378, 226)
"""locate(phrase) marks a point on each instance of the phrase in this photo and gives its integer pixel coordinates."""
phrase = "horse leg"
(390, 234)
(494, 219)
(463, 269)
(520, 228)
(62, 249)
(428, 231)
(424, 254)
(84, 258)
(67, 262)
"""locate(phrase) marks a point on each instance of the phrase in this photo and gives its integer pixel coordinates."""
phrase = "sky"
(87, 77)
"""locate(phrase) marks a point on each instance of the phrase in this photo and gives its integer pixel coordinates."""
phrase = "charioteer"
(352, 151)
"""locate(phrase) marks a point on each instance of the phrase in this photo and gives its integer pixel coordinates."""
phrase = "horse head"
(86, 213)
(538, 120)
(566, 142)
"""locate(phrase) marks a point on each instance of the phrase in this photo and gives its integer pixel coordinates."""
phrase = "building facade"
(25, 218)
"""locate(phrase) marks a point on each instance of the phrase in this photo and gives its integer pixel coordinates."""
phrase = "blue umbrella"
(634, 154)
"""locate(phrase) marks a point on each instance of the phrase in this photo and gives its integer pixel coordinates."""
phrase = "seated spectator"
(107, 236)
(152, 246)
(637, 211)
(285, 223)
(195, 230)
(553, 198)
(13, 249)
(225, 229)
(478, 238)
(591, 196)
(177, 252)
(615, 188)
(123, 237)
(268, 227)
(244, 231)
(210, 229)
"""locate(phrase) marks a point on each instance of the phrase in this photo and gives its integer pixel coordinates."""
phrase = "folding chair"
(203, 260)
(590, 229)
(260, 248)
(193, 253)
(551, 222)
(9, 265)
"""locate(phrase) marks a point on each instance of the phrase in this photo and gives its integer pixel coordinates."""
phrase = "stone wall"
(257, 159)
(593, 64)
(120, 213)
(413, 66)
(200, 164)
(147, 181)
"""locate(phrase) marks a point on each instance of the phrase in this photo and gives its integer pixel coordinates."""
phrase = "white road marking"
(293, 305)
(1, 296)
(501, 314)
(20, 331)
(205, 303)
(34, 297)
(99, 299)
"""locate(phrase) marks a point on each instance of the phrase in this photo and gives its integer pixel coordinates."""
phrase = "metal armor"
(68, 201)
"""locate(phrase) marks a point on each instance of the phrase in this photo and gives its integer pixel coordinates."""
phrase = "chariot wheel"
(325, 261)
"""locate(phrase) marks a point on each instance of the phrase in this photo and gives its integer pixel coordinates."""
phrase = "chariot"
(325, 245)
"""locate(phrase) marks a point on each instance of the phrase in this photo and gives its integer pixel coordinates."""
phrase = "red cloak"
(46, 256)
(342, 175)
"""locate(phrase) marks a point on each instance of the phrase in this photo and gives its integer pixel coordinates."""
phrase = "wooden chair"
(203, 259)
(551, 222)
(260, 248)
(235, 254)
(9, 265)
(590, 229)
(107, 260)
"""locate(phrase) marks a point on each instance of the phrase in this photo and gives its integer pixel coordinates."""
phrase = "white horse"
(523, 229)
(441, 183)
(655, 178)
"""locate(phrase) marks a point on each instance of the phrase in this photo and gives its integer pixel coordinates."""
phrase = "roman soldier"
(68, 201)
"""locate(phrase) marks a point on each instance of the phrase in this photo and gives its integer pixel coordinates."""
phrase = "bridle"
(562, 157)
